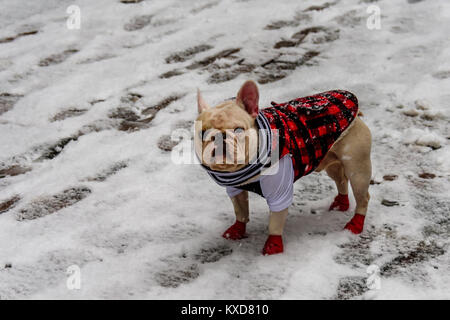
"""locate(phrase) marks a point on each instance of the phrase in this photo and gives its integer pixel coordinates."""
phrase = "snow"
(150, 228)
(422, 137)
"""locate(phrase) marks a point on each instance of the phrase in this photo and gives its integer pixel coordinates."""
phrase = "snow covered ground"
(86, 177)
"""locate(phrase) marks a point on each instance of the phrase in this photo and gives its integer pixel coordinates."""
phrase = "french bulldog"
(304, 135)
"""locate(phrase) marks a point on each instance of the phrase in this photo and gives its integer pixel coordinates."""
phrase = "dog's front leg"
(240, 204)
(274, 243)
(276, 222)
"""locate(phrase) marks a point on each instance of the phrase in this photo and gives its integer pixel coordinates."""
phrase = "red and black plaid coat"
(309, 126)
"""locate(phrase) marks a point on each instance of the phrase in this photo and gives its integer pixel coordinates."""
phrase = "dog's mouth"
(225, 151)
(224, 154)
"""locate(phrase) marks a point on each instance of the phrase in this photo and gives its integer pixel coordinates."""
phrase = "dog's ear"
(201, 103)
(248, 98)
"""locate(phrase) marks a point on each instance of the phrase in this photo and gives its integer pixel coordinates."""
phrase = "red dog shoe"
(236, 231)
(274, 245)
(340, 203)
(356, 225)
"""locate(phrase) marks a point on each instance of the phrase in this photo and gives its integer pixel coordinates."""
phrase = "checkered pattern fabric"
(309, 126)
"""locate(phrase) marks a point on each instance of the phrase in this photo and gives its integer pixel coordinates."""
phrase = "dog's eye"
(239, 130)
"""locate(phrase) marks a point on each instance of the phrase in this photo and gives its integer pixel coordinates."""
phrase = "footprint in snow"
(47, 205)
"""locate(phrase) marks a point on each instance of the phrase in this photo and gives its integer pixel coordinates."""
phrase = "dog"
(265, 151)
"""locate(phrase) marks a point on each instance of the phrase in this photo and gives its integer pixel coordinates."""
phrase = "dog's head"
(225, 136)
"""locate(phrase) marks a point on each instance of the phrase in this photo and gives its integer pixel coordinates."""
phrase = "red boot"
(356, 225)
(274, 245)
(340, 203)
(236, 231)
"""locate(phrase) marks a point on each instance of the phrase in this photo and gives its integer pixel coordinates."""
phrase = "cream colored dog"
(348, 159)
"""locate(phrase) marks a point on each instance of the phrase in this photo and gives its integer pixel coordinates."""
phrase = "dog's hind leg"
(353, 151)
(336, 172)
(360, 182)
(360, 185)
(358, 169)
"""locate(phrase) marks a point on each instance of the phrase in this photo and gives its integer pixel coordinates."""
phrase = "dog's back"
(308, 127)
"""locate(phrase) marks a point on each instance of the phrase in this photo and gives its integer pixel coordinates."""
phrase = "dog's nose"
(217, 146)
(218, 140)
(223, 134)
(224, 151)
